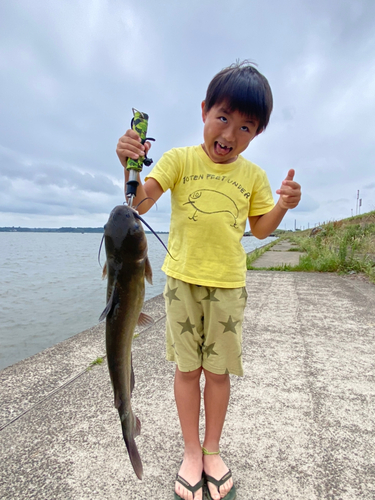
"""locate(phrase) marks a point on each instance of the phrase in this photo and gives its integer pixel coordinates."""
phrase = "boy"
(214, 191)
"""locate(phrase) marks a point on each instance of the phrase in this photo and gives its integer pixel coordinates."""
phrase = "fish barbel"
(127, 266)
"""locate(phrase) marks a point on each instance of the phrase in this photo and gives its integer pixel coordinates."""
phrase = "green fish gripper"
(139, 123)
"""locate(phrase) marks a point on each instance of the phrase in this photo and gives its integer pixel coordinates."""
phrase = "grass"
(341, 246)
(97, 361)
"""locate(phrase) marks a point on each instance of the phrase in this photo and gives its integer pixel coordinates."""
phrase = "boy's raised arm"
(290, 195)
(129, 146)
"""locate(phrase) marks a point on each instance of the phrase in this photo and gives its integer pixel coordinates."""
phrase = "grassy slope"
(341, 246)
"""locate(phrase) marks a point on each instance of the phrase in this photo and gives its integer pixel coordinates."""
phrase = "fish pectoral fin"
(148, 271)
(111, 303)
(144, 320)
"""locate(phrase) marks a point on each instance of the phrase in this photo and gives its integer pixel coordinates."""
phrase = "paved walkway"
(300, 423)
(278, 255)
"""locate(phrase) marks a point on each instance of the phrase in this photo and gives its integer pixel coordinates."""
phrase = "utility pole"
(356, 207)
(360, 204)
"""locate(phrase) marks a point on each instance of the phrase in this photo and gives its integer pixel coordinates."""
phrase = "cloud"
(307, 204)
(73, 71)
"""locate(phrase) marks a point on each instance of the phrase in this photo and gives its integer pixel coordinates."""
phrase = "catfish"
(127, 267)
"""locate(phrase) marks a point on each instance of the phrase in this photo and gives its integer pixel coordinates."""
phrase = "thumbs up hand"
(290, 192)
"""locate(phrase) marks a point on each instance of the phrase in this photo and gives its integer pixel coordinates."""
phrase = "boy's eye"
(245, 128)
(223, 119)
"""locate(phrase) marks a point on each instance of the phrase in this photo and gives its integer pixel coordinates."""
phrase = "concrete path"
(300, 423)
(278, 255)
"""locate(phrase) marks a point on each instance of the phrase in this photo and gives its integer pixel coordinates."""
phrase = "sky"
(72, 70)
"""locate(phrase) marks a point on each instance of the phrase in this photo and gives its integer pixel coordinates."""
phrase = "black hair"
(242, 88)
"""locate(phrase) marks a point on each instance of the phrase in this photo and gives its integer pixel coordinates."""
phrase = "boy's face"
(226, 133)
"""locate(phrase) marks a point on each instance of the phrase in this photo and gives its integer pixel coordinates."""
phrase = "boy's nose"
(229, 134)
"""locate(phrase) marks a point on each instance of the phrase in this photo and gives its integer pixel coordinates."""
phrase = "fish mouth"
(222, 149)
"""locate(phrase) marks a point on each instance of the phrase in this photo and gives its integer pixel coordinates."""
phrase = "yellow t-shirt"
(210, 205)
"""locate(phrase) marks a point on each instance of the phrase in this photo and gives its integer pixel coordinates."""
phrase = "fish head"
(125, 239)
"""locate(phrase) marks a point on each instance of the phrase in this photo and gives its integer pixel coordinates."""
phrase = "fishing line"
(137, 216)
(68, 382)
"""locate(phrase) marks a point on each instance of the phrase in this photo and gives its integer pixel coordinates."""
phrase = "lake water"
(51, 287)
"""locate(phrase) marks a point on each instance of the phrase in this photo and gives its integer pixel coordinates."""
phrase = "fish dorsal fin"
(104, 273)
(148, 271)
(144, 320)
(113, 299)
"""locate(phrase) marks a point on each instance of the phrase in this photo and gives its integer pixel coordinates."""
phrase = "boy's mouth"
(222, 149)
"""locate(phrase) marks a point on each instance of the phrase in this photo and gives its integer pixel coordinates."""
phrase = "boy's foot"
(214, 466)
(190, 471)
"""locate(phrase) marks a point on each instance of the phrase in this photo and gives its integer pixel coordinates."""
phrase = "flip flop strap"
(188, 486)
(219, 482)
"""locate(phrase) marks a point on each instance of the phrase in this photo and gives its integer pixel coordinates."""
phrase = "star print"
(186, 326)
(210, 350)
(211, 296)
(171, 294)
(244, 293)
(230, 325)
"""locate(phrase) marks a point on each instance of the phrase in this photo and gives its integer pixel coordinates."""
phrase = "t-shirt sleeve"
(261, 200)
(167, 170)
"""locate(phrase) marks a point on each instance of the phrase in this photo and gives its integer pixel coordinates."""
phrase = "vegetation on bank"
(342, 246)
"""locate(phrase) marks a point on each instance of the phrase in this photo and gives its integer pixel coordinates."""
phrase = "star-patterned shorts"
(204, 327)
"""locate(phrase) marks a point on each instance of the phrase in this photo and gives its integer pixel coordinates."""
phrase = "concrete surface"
(300, 423)
(278, 255)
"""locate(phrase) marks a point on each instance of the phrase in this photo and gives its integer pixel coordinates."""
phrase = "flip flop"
(188, 486)
(231, 495)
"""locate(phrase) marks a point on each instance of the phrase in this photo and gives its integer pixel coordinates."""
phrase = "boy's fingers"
(293, 184)
(147, 146)
(290, 175)
(133, 134)
(129, 150)
(126, 143)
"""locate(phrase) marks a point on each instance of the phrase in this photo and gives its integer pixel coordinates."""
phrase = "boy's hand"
(290, 192)
(129, 146)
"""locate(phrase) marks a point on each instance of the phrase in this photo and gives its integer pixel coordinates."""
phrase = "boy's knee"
(188, 376)
(216, 378)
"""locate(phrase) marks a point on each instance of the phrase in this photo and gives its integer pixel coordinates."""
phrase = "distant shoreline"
(82, 230)
(59, 230)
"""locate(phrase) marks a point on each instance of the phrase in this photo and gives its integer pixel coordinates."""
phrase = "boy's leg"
(216, 399)
(188, 397)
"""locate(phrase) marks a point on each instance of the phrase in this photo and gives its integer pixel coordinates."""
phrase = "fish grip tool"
(139, 123)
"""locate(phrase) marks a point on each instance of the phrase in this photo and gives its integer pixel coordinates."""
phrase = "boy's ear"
(204, 114)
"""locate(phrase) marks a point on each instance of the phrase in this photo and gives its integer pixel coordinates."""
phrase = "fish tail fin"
(134, 456)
